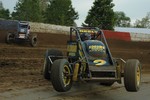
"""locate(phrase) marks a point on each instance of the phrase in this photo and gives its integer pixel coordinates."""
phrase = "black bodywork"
(97, 68)
(21, 34)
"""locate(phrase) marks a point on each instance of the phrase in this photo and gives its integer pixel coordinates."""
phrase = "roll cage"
(75, 39)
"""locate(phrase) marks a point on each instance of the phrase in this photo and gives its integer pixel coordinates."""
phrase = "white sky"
(135, 9)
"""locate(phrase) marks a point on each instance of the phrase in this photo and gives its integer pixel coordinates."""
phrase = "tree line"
(61, 12)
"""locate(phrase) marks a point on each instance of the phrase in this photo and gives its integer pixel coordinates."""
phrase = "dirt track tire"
(132, 75)
(61, 75)
(9, 38)
(33, 40)
(47, 63)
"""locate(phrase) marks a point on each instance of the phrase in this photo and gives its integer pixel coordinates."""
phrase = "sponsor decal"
(96, 48)
(22, 36)
(99, 62)
(87, 31)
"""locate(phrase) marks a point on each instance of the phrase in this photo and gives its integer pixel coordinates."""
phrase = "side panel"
(71, 49)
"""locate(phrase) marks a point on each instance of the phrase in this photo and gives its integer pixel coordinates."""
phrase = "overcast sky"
(135, 9)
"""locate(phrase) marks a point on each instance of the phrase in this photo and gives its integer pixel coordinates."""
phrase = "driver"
(85, 36)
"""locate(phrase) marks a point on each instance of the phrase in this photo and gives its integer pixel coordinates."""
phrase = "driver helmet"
(85, 36)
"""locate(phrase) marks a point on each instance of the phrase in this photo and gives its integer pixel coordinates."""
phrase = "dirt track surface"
(21, 65)
(81, 91)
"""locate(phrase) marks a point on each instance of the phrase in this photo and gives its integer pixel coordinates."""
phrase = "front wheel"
(132, 75)
(33, 40)
(57, 54)
(61, 75)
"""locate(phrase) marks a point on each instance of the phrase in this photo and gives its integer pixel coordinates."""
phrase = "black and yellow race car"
(89, 59)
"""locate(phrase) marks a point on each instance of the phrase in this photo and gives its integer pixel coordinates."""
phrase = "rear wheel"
(48, 64)
(61, 75)
(9, 38)
(132, 75)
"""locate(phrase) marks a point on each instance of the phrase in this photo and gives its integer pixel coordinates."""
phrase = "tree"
(121, 20)
(1, 5)
(44, 4)
(60, 12)
(101, 14)
(4, 13)
(144, 22)
(28, 10)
